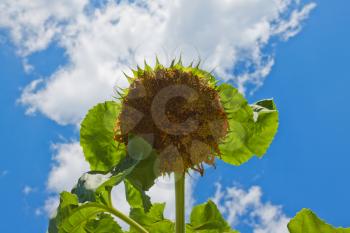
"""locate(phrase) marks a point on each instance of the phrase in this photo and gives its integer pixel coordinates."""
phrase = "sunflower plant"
(170, 121)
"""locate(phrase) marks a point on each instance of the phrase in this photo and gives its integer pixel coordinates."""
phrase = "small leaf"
(104, 223)
(154, 220)
(97, 137)
(307, 222)
(206, 218)
(251, 128)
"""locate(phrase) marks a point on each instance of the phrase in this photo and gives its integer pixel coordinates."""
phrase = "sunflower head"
(177, 110)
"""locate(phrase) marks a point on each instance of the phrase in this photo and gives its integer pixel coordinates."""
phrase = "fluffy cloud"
(246, 207)
(34, 24)
(28, 190)
(69, 165)
(101, 41)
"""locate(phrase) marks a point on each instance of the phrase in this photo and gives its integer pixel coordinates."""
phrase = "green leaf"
(136, 197)
(251, 127)
(103, 224)
(68, 202)
(206, 218)
(79, 217)
(153, 221)
(73, 217)
(266, 125)
(97, 137)
(307, 222)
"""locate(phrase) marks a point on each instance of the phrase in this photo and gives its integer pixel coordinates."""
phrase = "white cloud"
(102, 42)
(69, 165)
(34, 24)
(28, 190)
(28, 68)
(247, 208)
(292, 26)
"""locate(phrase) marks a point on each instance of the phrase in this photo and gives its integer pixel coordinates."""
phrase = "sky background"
(308, 42)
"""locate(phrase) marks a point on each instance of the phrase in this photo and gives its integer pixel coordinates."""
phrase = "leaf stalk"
(128, 220)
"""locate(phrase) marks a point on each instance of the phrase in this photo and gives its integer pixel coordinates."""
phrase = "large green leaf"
(307, 222)
(68, 202)
(73, 217)
(97, 137)
(153, 220)
(79, 217)
(251, 127)
(206, 218)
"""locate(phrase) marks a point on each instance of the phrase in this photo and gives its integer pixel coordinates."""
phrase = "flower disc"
(178, 111)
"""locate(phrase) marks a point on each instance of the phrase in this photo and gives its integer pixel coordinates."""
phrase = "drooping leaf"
(153, 220)
(97, 137)
(251, 127)
(136, 197)
(307, 222)
(206, 218)
(104, 223)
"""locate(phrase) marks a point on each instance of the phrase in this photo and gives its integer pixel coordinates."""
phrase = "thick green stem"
(128, 220)
(180, 202)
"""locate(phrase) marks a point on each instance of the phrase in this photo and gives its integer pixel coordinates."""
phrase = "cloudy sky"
(59, 58)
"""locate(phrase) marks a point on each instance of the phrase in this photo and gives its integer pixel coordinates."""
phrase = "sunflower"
(189, 119)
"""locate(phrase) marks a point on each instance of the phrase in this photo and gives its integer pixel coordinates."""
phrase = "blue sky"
(306, 166)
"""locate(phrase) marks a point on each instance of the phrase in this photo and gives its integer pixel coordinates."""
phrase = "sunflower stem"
(180, 202)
